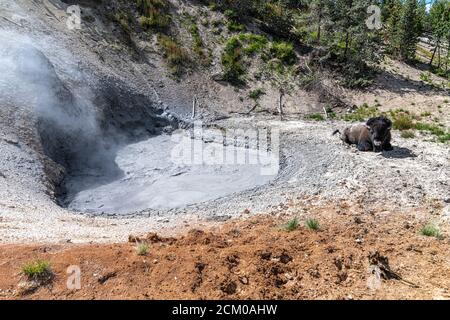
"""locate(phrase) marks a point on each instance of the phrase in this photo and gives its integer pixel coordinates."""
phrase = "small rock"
(102, 279)
(229, 287)
(243, 280)
(357, 220)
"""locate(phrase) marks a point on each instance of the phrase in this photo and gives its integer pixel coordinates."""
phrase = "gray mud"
(152, 178)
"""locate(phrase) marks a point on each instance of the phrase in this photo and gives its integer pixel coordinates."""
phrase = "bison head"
(379, 129)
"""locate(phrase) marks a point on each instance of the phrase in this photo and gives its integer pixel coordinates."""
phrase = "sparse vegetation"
(256, 94)
(277, 55)
(233, 68)
(284, 52)
(426, 77)
(430, 230)
(402, 121)
(407, 134)
(431, 128)
(312, 224)
(316, 117)
(362, 113)
(154, 14)
(175, 55)
(291, 225)
(124, 20)
(142, 249)
(406, 122)
(37, 270)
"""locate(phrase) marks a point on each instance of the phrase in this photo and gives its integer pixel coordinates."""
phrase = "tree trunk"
(448, 55)
(319, 27)
(347, 37)
(194, 106)
(318, 33)
(280, 104)
(434, 52)
(439, 57)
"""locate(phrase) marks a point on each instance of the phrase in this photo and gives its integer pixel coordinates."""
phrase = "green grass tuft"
(362, 113)
(312, 224)
(142, 249)
(37, 269)
(256, 94)
(430, 231)
(316, 117)
(291, 225)
(402, 121)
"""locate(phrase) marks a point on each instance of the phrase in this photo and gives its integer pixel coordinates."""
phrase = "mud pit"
(151, 177)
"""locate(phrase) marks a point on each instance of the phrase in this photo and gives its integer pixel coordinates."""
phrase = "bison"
(374, 135)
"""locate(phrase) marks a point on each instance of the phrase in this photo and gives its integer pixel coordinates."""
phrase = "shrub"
(142, 249)
(231, 61)
(158, 22)
(402, 121)
(198, 42)
(154, 14)
(37, 269)
(312, 224)
(284, 52)
(256, 94)
(444, 138)
(426, 77)
(230, 14)
(236, 48)
(252, 43)
(430, 231)
(235, 27)
(124, 21)
(175, 55)
(359, 82)
(244, 45)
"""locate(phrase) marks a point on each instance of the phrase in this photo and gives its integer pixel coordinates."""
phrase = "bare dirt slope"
(343, 260)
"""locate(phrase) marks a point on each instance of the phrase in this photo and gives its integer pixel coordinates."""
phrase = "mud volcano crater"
(122, 162)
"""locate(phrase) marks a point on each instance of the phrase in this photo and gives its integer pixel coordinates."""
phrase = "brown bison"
(374, 135)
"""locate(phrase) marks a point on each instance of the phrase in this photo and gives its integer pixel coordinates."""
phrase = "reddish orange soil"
(254, 258)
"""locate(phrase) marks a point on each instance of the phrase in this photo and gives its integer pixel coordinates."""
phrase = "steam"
(29, 80)
(39, 80)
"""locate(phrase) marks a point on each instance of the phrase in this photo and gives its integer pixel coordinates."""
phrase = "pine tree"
(410, 29)
(440, 27)
(391, 14)
(318, 14)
